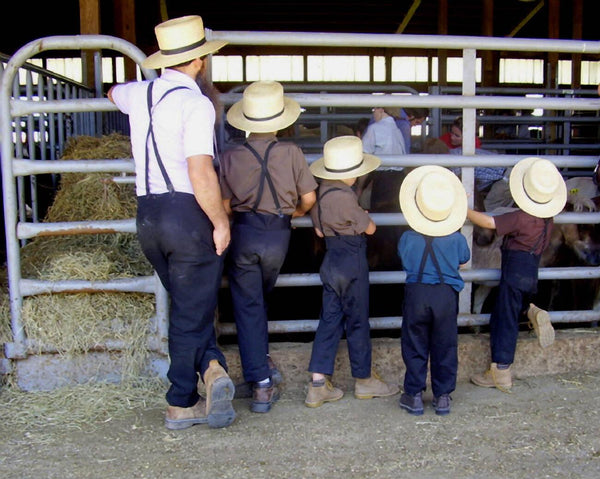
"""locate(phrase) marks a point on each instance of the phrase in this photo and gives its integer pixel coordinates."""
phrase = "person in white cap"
(540, 192)
(265, 183)
(434, 203)
(338, 218)
(181, 223)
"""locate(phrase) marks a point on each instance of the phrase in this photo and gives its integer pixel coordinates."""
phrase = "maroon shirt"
(523, 232)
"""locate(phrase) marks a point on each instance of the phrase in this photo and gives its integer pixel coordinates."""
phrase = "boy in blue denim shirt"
(434, 204)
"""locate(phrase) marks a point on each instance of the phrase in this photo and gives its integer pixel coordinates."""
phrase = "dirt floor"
(548, 427)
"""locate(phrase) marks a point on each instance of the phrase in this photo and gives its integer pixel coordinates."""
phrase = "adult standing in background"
(408, 118)
(265, 183)
(383, 137)
(181, 223)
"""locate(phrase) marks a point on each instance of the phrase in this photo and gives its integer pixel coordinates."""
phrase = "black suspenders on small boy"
(150, 135)
(429, 252)
(264, 175)
(321, 195)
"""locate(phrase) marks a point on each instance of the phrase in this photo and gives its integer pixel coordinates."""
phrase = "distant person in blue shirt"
(434, 203)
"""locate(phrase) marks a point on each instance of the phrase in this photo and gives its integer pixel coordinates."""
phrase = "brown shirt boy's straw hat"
(537, 187)
(180, 40)
(343, 157)
(433, 201)
(263, 109)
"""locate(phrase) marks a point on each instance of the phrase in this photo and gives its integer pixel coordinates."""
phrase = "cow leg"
(480, 294)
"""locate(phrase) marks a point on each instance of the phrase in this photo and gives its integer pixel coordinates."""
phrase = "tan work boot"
(317, 395)
(374, 386)
(219, 394)
(183, 417)
(539, 321)
(494, 378)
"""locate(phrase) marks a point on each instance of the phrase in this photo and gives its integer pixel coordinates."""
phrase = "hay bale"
(76, 323)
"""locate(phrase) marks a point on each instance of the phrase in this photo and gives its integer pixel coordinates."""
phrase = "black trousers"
(176, 237)
(518, 285)
(430, 333)
(259, 243)
(345, 276)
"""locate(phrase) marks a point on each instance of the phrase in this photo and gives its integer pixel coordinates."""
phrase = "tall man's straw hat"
(263, 109)
(433, 201)
(343, 157)
(180, 40)
(537, 187)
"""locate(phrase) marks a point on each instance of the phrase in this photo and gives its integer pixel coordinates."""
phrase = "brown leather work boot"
(263, 397)
(317, 395)
(539, 321)
(219, 394)
(374, 386)
(494, 378)
(183, 417)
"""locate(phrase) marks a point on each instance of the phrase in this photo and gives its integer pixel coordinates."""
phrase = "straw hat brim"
(517, 190)
(420, 223)
(291, 112)
(158, 60)
(369, 163)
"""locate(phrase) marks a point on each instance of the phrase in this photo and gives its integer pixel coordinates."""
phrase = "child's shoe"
(322, 393)
(374, 386)
(441, 404)
(539, 321)
(412, 404)
(494, 378)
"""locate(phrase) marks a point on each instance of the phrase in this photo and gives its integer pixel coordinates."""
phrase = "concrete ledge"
(573, 350)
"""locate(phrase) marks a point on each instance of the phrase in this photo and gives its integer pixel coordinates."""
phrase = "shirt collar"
(174, 76)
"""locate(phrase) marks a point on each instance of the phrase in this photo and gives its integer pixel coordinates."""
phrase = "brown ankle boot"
(539, 321)
(317, 395)
(219, 394)
(494, 378)
(374, 386)
(183, 417)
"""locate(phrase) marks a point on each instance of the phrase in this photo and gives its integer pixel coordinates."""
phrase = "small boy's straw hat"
(537, 187)
(343, 157)
(433, 201)
(263, 109)
(180, 40)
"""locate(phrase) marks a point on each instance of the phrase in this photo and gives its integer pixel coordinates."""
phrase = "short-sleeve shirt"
(384, 138)
(183, 124)
(523, 232)
(451, 251)
(340, 211)
(240, 175)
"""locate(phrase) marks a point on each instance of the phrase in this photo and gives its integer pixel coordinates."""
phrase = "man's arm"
(208, 195)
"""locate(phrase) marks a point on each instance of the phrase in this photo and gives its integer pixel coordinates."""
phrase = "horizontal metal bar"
(36, 167)
(32, 230)
(369, 40)
(141, 284)
(395, 322)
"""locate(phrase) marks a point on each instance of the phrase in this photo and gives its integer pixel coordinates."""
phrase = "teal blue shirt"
(451, 251)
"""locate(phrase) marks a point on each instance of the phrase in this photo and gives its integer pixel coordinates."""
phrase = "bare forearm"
(208, 195)
(481, 219)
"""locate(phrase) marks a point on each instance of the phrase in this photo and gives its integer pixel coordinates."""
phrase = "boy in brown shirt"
(344, 272)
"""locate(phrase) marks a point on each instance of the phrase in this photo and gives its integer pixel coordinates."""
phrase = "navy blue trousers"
(518, 284)
(259, 243)
(430, 332)
(176, 237)
(345, 277)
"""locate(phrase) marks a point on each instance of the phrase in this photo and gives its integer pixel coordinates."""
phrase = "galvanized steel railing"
(15, 167)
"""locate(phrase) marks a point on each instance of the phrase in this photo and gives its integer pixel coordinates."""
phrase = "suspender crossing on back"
(264, 175)
(150, 135)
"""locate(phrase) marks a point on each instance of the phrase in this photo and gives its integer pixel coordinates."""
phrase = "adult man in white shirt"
(182, 225)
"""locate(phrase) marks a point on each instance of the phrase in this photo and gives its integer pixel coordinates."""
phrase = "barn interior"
(568, 134)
